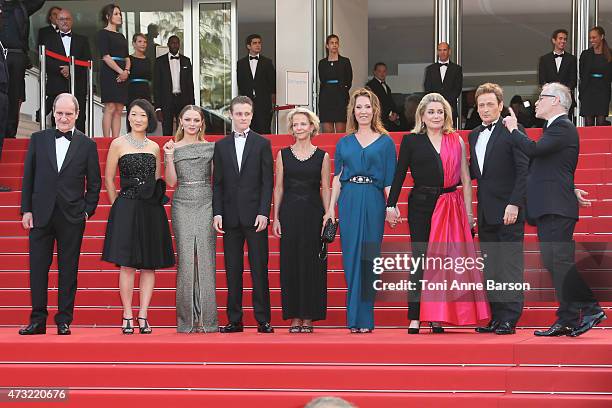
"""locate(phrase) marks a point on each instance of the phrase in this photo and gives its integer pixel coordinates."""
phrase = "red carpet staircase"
(387, 368)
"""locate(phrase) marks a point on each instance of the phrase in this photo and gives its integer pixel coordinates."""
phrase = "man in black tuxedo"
(501, 171)
(173, 85)
(559, 65)
(46, 31)
(388, 111)
(445, 77)
(257, 80)
(552, 201)
(61, 187)
(242, 194)
(4, 97)
(67, 43)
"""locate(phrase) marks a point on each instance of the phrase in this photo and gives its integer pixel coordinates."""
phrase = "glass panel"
(215, 57)
(605, 20)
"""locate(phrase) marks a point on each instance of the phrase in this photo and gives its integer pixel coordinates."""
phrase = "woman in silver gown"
(188, 160)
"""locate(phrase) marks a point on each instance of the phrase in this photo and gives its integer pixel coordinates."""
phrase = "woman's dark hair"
(604, 44)
(107, 12)
(149, 110)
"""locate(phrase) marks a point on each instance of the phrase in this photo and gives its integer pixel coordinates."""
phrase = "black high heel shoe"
(145, 329)
(128, 329)
(414, 330)
(436, 328)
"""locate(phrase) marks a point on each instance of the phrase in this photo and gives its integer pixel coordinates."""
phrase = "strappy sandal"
(354, 330)
(365, 330)
(307, 329)
(128, 329)
(295, 329)
(146, 329)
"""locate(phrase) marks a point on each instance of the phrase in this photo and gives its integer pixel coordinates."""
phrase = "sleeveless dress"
(303, 275)
(115, 45)
(139, 82)
(196, 304)
(137, 232)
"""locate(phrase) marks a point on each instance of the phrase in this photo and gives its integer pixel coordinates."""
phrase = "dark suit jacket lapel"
(247, 148)
(77, 139)
(50, 146)
(492, 140)
(58, 44)
(231, 146)
(557, 120)
(450, 69)
(473, 157)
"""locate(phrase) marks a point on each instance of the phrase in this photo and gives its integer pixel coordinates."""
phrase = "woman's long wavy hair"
(419, 125)
(180, 133)
(351, 121)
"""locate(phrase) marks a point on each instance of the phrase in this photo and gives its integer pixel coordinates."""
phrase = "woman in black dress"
(139, 82)
(336, 76)
(595, 79)
(137, 233)
(301, 193)
(114, 70)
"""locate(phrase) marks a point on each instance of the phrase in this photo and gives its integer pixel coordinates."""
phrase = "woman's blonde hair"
(312, 119)
(180, 134)
(351, 121)
(419, 125)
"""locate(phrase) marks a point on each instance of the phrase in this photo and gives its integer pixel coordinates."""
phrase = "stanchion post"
(72, 73)
(43, 91)
(90, 101)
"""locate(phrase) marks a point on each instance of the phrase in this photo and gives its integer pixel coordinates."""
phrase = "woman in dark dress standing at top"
(595, 79)
(139, 82)
(336, 76)
(300, 195)
(114, 70)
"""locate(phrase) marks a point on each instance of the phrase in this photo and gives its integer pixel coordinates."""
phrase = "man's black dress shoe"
(33, 328)
(63, 329)
(264, 328)
(5, 189)
(232, 328)
(587, 323)
(489, 328)
(554, 331)
(505, 328)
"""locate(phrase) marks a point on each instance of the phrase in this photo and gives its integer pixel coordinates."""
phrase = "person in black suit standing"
(501, 171)
(552, 201)
(51, 29)
(559, 65)
(173, 85)
(61, 188)
(4, 97)
(242, 195)
(445, 77)
(257, 80)
(67, 43)
(388, 111)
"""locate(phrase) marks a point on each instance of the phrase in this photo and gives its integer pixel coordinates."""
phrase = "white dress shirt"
(253, 64)
(61, 148)
(558, 61)
(443, 69)
(481, 145)
(384, 85)
(239, 143)
(551, 120)
(67, 41)
(175, 73)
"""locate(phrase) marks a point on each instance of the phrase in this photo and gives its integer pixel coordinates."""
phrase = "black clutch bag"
(327, 237)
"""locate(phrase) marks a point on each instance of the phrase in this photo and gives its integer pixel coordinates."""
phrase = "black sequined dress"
(137, 232)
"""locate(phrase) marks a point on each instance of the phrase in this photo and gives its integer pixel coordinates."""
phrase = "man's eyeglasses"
(544, 95)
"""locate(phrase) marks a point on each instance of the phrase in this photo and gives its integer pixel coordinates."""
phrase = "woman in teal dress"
(364, 164)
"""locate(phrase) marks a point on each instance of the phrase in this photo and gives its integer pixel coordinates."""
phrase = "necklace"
(138, 144)
(305, 158)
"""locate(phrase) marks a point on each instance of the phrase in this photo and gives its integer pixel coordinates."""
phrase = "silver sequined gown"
(196, 306)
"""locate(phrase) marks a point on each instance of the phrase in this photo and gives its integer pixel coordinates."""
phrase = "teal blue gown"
(362, 219)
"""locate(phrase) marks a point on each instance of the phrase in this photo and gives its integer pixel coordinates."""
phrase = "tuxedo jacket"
(75, 188)
(262, 86)
(4, 76)
(450, 88)
(503, 180)
(387, 104)
(240, 196)
(568, 70)
(550, 184)
(44, 33)
(162, 81)
(79, 48)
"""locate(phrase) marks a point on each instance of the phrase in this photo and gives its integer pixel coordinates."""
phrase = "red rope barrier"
(61, 57)
(284, 107)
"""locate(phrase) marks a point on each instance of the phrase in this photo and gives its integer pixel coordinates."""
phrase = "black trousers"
(80, 122)
(171, 112)
(262, 115)
(233, 244)
(68, 237)
(16, 64)
(502, 248)
(557, 247)
(4, 102)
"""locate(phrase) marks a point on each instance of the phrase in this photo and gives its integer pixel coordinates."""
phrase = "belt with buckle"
(434, 190)
(361, 180)
(332, 81)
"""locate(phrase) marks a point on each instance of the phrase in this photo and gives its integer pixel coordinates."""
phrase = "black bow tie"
(558, 55)
(489, 126)
(443, 64)
(173, 57)
(254, 58)
(67, 135)
(66, 34)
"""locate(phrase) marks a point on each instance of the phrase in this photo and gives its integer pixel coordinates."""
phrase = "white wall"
(293, 47)
(351, 25)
